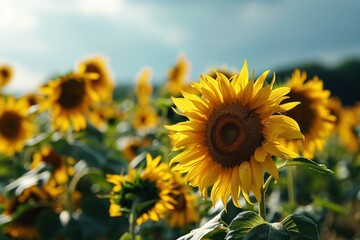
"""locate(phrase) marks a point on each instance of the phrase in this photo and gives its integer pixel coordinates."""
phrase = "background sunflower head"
(102, 83)
(69, 99)
(312, 114)
(184, 212)
(6, 73)
(15, 126)
(143, 87)
(148, 192)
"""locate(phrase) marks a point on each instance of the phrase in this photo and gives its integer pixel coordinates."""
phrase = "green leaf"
(301, 161)
(125, 236)
(330, 205)
(268, 231)
(210, 229)
(243, 223)
(301, 227)
(48, 224)
(80, 151)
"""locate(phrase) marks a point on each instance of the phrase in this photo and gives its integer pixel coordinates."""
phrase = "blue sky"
(44, 37)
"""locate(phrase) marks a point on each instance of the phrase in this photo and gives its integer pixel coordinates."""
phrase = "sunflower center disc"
(304, 113)
(233, 133)
(93, 68)
(10, 123)
(4, 73)
(72, 93)
(54, 160)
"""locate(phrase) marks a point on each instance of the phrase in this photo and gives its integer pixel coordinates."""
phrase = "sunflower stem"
(291, 186)
(132, 221)
(262, 204)
(68, 193)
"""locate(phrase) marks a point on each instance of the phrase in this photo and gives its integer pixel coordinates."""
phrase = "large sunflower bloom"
(312, 115)
(184, 211)
(6, 74)
(153, 185)
(231, 134)
(69, 98)
(15, 127)
(103, 82)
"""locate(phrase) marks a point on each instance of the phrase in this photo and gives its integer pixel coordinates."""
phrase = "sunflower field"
(230, 155)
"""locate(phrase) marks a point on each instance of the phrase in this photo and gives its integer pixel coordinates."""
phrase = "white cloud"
(145, 17)
(14, 17)
(96, 7)
(24, 79)
(18, 27)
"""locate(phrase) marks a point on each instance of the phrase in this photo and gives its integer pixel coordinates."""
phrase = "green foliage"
(304, 162)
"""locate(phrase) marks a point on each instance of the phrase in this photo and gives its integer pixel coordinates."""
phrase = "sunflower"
(143, 88)
(231, 134)
(61, 166)
(346, 129)
(184, 211)
(312, 115)
(151, 187)
(133, 146)
(23, 226)
(104, 114)
(177, 76)
(335, 107)
(223, 70)
(15, 127)
(103, 83)
(146, 119)
(69, 98)
(32, 99)
(6, 74)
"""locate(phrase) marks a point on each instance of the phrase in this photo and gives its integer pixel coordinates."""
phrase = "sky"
(42, 38)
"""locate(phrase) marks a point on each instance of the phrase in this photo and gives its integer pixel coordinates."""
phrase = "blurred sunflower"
(69, 99)
(145, 119)
(223, 70)
(15, 127)
(150, 188)
(23, 225)
(6, 73)
(103, 114)
(346, 129)
(143, 88)
(335, 107)
(177, 76)
(103, 82)
(132, 146)
(184, 211)
(32, 99)
(231, 135)
(62, 167)
(312, 115)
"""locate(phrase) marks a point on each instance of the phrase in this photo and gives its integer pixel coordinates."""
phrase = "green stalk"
(132, 221)
(68, 204)
(262, 204)
(291, 186)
